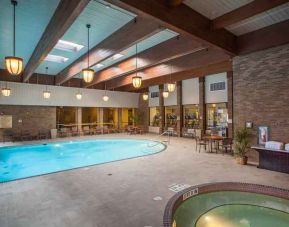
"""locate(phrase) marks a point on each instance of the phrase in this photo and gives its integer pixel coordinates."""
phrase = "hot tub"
(228, 205)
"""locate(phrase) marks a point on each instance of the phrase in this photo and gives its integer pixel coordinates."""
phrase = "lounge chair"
(42, 134)
(74, 131)
(7, 136)
(63, 132)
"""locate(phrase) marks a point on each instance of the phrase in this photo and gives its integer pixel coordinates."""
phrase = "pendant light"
(165, 93)
(14, 64)
(105, 97)
(78, 95)
(171, 86)
(46, 93)
(136, 80)
(145, 96)
(88, 73)
(6, 91)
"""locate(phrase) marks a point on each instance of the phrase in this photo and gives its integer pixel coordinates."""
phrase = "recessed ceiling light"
(99, 65)
(68, 46)
(56, 58)
(117, 56)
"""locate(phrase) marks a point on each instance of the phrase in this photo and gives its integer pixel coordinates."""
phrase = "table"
(214, 138)
(276, 160)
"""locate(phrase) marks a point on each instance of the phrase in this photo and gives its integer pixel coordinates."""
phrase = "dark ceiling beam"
(194, 60)
(183, 20)
(246, 11)
(63, 17)
(174, 2)
(219, 67)
(271, 36)
(171, 49)
(128, 35)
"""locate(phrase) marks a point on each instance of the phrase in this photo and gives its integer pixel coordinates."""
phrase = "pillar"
(230, 104)
(78, 118)
(119, 113)
(202, 104)
(180, 114)
(100, 117)
(162, 108)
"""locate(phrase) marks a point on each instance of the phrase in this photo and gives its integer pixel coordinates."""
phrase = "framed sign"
(5, 121)
(263, 134)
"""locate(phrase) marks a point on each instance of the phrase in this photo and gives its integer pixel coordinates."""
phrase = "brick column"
(202, 104)
(162, 108)
(179, 109)
(143, 112)
(230, 104)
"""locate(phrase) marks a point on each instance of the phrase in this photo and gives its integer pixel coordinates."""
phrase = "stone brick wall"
(261, 92)
(31, 118)
(143, 112)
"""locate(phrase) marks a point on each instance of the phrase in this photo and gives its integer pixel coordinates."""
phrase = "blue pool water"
(32, 160)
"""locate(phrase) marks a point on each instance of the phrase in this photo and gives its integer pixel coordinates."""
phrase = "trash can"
(53, 133)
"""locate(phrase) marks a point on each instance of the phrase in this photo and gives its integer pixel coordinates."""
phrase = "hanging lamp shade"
(165, 94)
(46, 94)
(88, 75)
(105, 98)
(6, 91)
(136, 81)
(171, 87)
(78, 96)
(145, 96)
(14, 64)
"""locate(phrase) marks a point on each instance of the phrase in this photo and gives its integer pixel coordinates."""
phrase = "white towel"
(274, 145)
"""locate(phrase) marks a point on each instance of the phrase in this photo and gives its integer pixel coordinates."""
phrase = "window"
(191, 116)
(154, 94)
(217, 117)
(171, 116)
(218, 86)
(155, 116)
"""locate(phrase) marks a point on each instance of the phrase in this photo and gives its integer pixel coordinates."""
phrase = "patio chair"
(200, 142)
(189, 132)
(7, 136)
(26, 135)
(42, 134)
(227, 145)
(97, 130)
(75, 132)
(86, 131)
(105, 129)
(63, 132)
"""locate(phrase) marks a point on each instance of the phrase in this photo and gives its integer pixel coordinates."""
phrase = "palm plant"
(241, 142)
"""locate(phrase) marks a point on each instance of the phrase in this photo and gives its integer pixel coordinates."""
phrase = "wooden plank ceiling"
(204, 45)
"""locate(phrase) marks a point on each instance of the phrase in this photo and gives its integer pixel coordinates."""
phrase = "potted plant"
(241, 144)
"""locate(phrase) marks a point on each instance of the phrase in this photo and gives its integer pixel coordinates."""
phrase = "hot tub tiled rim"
(177, 199)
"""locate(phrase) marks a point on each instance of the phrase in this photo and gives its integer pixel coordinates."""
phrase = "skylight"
(56, 58)
(117, 56)
(99, 65)
(68, 46)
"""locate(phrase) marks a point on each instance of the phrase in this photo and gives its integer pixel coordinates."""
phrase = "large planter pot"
(242, 160)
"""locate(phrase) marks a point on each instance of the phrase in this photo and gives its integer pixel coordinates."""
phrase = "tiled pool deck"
(120, 194)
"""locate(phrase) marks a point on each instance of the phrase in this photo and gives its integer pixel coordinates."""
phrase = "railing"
(168, 141)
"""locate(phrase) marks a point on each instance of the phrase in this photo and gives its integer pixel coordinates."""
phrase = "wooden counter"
(276, 160)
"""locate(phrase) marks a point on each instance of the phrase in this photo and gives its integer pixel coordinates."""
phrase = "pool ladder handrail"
(168, 141)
